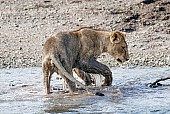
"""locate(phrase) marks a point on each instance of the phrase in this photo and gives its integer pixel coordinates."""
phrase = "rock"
(47, 1)
(148, 1)
(160, 9)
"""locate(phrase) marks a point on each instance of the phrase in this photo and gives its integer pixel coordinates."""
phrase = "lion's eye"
(123, 47)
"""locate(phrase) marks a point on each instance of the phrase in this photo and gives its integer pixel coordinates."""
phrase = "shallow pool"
(21, 91)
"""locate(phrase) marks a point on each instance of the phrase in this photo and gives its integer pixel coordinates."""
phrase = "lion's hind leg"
(47, 73)
(66, 82)
(71, 85)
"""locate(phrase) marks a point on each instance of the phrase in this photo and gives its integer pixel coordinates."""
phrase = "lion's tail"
(62, 70)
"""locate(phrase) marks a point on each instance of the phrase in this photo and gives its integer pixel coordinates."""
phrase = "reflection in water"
(21, 91)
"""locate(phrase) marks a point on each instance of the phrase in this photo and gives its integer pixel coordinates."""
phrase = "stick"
(155, 84)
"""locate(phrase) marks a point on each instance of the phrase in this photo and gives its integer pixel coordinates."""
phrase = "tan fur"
(79, 49)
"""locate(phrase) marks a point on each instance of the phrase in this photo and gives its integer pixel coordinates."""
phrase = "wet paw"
(99, 94)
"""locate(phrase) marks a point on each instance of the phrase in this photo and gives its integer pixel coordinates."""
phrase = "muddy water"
(21, 91)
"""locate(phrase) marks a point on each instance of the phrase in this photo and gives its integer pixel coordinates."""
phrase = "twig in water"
(156, 84)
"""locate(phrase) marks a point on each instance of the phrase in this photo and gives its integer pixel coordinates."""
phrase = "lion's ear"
(114, 38)
(124, 34)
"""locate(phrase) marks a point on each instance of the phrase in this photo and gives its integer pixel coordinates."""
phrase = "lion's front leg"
(95, 67)
(71, 85)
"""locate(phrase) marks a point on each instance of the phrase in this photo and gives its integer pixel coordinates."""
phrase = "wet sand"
(21, 91)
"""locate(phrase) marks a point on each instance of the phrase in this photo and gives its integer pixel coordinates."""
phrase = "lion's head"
(118, 47)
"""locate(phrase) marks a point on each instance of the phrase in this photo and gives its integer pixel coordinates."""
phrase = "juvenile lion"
(79, 49)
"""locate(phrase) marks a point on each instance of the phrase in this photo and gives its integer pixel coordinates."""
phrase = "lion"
(80, 49)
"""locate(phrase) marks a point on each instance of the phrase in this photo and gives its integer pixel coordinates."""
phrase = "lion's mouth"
(119, 60)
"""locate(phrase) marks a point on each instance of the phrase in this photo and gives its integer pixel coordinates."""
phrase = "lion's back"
(63, 43)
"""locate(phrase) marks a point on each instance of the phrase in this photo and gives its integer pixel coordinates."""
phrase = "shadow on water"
(21, 91)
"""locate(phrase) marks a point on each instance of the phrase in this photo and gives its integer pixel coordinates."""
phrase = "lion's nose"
(127, 59)
(119, 60)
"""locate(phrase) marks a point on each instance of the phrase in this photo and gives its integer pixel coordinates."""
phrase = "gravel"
(26, 24)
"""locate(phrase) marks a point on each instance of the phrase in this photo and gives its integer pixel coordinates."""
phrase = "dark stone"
(132, 17)
(161, 9)
(99, 94)
(148, 1)
(47, 1)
